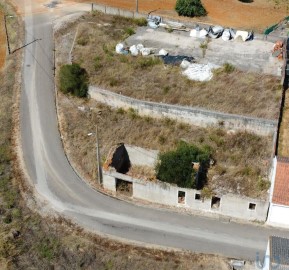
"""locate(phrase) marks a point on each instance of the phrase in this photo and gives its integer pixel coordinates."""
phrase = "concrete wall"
(191, 115)
(117, 11)
(163, 193)
(140, 156)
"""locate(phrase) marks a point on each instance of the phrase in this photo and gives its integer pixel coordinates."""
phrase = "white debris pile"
(199, 72)
(134, 50)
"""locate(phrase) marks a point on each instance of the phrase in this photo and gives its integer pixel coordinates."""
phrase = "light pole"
(99, 171)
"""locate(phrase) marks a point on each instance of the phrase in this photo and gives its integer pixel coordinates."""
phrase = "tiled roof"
(281, 186)
(279, 253)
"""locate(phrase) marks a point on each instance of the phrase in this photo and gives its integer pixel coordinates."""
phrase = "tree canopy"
(176, 166)
(190, 8)
(74, 80)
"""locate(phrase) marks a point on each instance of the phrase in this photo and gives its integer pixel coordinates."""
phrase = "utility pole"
(6, 31)
(136, 8)
(99, 172)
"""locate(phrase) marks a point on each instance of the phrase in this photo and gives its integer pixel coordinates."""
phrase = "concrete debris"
(140, 47)
(120, 49)
(153, 21)
(216, 31)
(163, 52)
(226, 36)
(152, 25)
(175, 25)
(243, 34)
(200, 72)
(133, 50)
(185, 64)
(145, 51)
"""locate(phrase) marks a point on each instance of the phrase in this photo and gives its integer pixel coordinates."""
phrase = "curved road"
(56, 181)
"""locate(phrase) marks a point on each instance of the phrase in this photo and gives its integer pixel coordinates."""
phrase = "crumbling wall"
(162, 193)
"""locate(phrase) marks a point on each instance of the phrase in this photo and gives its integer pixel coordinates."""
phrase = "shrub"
(82, 41)
(140, 21)
(190, 8)
(176, 166)
(73, 79)
(228, 68)
(129, 31)
(146, 62)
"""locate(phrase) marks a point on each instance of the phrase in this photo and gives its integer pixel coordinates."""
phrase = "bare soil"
(149, 79)
(256, 15)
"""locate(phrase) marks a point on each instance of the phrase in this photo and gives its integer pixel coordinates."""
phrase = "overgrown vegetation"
(176, 166)
(190, 8)
(230, 90)
(74, 80)
(240, 158)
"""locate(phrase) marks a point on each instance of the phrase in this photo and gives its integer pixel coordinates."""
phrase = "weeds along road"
(56, 182)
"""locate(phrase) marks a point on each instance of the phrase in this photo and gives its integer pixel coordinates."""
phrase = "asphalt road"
(56, 181)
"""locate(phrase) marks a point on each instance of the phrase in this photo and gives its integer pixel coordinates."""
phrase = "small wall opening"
(181, 197)
(215, 203)
(197, 196)
(123, 187)
(252, 206)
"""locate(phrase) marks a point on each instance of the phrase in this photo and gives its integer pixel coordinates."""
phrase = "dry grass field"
(148, 78)
(256, 15)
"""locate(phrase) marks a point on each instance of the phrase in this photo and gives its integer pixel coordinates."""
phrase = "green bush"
(73, 79)
(190, 8)
(129, 31)
(228, 68)
(140, 21)
(176, 166)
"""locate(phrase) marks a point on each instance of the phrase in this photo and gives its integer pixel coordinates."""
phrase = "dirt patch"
(3, 43)
(149, 79)
(256, 15)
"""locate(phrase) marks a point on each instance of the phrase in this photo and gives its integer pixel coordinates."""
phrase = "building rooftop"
(279, 253)
(281, 186)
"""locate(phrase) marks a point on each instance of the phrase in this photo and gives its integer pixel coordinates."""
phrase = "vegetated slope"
(242, 159)
(149, 79)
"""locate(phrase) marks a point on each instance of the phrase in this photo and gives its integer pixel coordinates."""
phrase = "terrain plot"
(147, 78)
